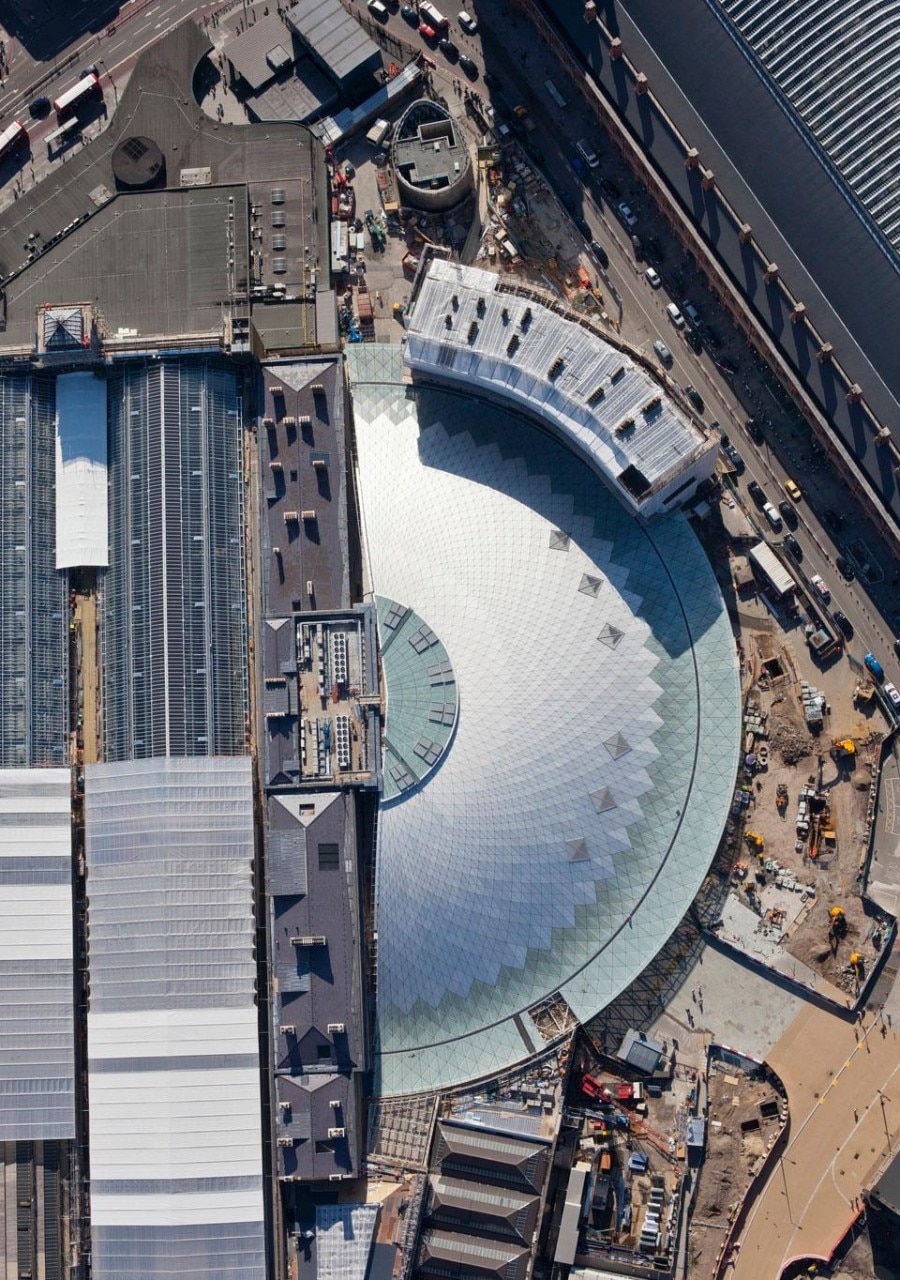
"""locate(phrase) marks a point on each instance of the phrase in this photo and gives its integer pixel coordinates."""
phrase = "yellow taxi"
(793, 490)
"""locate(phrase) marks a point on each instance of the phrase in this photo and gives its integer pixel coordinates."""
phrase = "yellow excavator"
(838, 921)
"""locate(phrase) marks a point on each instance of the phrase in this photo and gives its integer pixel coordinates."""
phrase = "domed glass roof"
(580, 797)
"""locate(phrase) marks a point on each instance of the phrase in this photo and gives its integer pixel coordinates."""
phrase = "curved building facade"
(431, 159)
(582, 716)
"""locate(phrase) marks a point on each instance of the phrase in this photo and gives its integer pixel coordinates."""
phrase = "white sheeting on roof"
(82, 522)
(173, 1053)
(37, 1039)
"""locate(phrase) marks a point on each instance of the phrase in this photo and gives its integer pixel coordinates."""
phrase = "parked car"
(756, 493)
(695, 398)
(600, 253)
(663, 352)
(408, 14)
(468, 66)
(654, 279)
(691, 312)
(693, 339)
(843, 622)
(874, 666)
(583, 226)
(426, 32)
(845, 568)
(675, 315)
(770, 511)
(793, 547)
(892, 693)
(754, 430)
(821, 586)
(628, 217)
(491, 81)
(609, 189)
(733, 456)
(793, 490)
(449, 50)
(789, 514)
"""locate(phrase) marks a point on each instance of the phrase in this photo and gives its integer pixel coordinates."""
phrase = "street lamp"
(887, 1132)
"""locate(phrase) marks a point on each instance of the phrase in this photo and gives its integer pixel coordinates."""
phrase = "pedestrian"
(694, 996)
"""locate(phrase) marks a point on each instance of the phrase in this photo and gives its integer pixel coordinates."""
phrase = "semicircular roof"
(590, 773)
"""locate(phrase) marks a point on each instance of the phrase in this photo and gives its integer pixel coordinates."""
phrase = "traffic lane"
(870, 633)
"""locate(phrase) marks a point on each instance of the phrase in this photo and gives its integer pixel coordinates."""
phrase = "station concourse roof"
(568, 823)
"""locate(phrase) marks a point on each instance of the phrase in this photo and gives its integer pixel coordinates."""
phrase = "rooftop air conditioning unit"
(336, 1028)
(307, 515)
(336, 1133)
(336, 1103)
(285, 1142)
(309, 940)
(288, 1029)
(335, 1177)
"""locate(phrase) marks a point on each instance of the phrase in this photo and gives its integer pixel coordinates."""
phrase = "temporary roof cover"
(173, 1052)
(37, 1037)
(572, 817)
(82, 521)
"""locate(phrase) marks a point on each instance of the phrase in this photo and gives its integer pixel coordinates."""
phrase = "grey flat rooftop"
(154, 263)
(114, 258)
(301, 96)
(334, 36)
(251, 51)
(317, 551)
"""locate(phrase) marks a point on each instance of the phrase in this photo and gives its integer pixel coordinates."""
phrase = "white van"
(587, 153)
(675, 315)
(467, 22)
(377, 10)
(770, 511)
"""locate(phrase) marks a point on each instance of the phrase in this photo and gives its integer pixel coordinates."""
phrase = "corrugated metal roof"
(334, 36)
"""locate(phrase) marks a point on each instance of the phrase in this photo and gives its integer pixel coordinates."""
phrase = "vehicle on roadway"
(587, 153)
(628, 217)
(13, 136)
(733, 456)
(378, 10)
(654, 279)
(491, 81)
(821, 586)
(756, 493)
(843, 622)
(845, 568)
(471, 71)
(408, 14)
(892, 693)
(675, 315)
(793, 490)
(583, 226)
(78, 93)
(695, 398)
(427, 32)
(754, 431)
(663, 352)
(789, 514)
(874, 666)
(39, 108)
(449, 50)
(428, 13)
(793, 547)
(578, 165)
(467, 22)
(600, 253)
(770, 511)
(691, 312)
(693, 339)
(609, 189)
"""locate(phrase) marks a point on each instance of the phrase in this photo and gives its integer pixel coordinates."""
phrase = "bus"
(12, 136)
(69, 100)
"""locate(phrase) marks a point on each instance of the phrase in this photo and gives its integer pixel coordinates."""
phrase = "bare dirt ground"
(739, 1133)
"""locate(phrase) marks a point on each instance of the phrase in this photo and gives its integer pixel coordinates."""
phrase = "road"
(843, 1086)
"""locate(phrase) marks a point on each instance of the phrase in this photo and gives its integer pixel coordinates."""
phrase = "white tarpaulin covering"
(82, 522)
(37, 1043)
(173, 1048)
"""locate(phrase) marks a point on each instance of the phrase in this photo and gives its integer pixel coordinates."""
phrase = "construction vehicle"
(838, 921)
(524, 119)
(754, 841)
(781, 796)
(859, 965)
